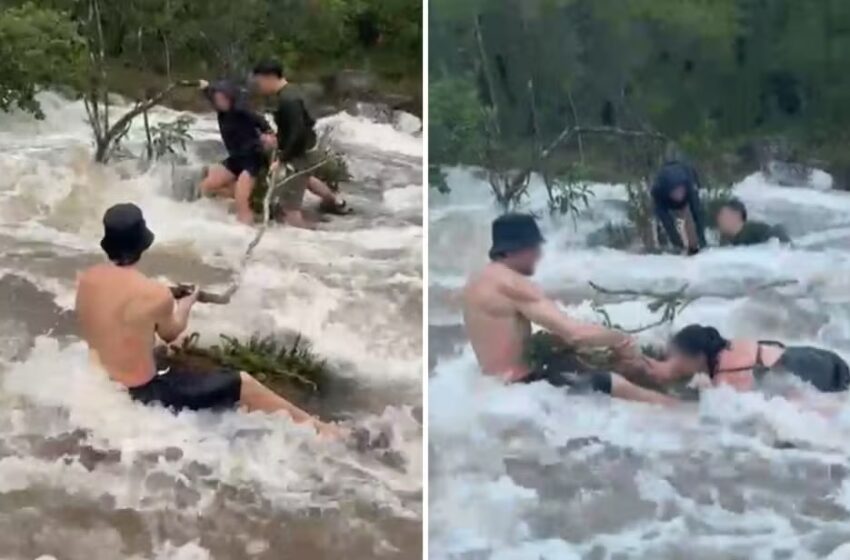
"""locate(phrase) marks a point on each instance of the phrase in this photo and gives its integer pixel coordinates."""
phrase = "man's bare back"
(118, 309)
(494, 323)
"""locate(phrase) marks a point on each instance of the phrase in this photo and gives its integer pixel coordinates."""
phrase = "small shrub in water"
(271, 361)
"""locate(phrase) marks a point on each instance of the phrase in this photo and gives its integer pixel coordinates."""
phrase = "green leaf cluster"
(39, 48)
(270, 360)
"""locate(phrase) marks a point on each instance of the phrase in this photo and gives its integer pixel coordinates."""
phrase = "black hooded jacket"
(240, 128)
(671, 175)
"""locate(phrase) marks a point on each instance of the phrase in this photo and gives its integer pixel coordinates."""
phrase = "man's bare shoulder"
(485, 280)
(104, 278)
(517, 287)
(91, 274)
(501, 283)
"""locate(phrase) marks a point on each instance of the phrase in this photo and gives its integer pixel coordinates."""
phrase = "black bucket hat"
(514, 232)
(125, 234)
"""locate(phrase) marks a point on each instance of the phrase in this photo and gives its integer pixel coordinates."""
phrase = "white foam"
(331, 285)
(650, 483)
(385, 137)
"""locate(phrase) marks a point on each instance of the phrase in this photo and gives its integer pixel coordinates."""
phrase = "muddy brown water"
(86, 475)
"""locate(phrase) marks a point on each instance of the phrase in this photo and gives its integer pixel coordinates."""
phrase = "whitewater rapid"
(527, 473)
(105, 478)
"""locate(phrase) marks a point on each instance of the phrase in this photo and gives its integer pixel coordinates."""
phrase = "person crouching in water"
(121, 312)
(736, 229)
(297, 145)
(748, 364)
(675, 196)
(247, 137)
(500, 303)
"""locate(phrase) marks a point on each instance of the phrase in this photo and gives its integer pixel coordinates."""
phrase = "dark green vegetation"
(140, 47)
(606, 89)
(286, 367)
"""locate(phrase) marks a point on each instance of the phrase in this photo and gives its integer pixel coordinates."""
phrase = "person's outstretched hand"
(269, 141)
(329, 430)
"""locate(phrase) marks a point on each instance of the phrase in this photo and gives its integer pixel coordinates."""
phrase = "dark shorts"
(822, 368)
(254, 164)
(574, 383)
(291, 195)
(182, 389)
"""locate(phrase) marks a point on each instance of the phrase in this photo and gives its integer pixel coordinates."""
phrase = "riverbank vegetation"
(605, 90)
(142, 49)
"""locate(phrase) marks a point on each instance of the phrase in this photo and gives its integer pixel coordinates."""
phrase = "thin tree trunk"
(167, 57)
(576, 123)
(101, 63)
(122, 125)
(488, 75)
(148, 136)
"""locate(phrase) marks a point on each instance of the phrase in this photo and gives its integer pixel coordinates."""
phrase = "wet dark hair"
(697, 340)
(125, 259)
(736, 205)
(497, 255)
(269, 68)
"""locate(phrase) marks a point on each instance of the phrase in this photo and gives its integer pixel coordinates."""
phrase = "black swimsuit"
(824, 369)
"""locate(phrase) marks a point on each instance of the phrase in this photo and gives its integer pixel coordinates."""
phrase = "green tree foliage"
(39, 48)
(457, 122)
(725, 80)
(214, 38)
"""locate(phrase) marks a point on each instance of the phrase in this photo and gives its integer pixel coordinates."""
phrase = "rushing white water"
(526, 472)
(104, 478)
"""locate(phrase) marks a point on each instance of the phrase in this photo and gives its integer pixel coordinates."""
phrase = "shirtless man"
(500, 303)
(120, 310)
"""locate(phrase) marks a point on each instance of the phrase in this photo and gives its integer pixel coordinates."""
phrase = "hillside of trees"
(606, 89)
(134, 46)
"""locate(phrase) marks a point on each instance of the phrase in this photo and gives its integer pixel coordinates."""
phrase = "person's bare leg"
(244, 187)
(254, 396)
(323, 191)
(623, 389)
(295, 218)
(217, 181)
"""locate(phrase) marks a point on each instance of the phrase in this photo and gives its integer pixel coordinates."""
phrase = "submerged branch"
(575, 130)
(107, 138)
(671, 303)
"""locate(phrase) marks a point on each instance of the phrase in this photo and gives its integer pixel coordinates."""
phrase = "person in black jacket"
(297, 144)
(675, 195)
(247, 136)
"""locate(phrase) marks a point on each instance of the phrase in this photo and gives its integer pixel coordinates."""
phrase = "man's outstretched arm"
(621, 388)
(533, 304)
(172, 317)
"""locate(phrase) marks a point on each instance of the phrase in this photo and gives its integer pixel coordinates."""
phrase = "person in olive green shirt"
(297, 145)
(735, 229)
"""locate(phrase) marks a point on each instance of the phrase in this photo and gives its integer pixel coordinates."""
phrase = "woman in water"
(748, 364)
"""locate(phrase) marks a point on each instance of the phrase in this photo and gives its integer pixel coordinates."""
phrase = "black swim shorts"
(182, 389)
(575, 383)
(822, 368)
(254, 163)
